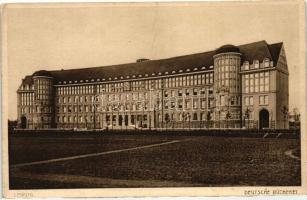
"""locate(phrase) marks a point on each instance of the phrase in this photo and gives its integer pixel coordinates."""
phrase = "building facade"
(242, 86)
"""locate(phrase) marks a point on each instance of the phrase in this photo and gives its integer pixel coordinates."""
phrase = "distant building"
(231, 87)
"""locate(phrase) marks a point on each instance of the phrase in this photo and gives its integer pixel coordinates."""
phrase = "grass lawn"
(194, 161)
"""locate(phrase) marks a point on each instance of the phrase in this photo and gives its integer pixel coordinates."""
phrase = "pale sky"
(63, 37)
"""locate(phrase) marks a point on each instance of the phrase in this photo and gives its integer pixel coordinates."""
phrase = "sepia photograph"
(108, 96)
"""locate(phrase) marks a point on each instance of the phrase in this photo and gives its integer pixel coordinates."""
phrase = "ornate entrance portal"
(264, 119)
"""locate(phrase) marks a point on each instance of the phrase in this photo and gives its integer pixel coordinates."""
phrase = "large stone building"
(231, 87)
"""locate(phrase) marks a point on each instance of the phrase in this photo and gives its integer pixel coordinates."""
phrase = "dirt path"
(291, 155)
(93, 154)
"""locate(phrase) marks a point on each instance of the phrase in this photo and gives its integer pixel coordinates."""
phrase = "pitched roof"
(253, 51)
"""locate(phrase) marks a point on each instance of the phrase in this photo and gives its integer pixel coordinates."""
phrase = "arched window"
(195, 116)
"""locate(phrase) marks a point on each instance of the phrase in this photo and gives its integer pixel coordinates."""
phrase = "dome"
(227, 48)
(41, 73)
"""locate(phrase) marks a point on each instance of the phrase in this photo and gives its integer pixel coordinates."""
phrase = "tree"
(228, 116)
(209, 117)
(285, 113)
(247, 116)
(295, 118)
(296, 115)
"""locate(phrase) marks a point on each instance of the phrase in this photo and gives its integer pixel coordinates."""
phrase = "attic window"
(92, 80)
(153, 74)
(271, 64)
(195, 69)
(121, 77)
(211, 67)
(76, 81)
(266, 62)
(166, 72)
(110, 78)
(127, 76)
(188, 70)
(159, 73)
(203, 67)
(115, 78)
(246, 65)
(60, 82)
(86, 80)
(173, 72)
(256, 64)
(81, 81)
(146, 75)
(140, 75)
(98, 79)
(70, 82)
(64, 82)
(180, 71)
(103, 79)
(133, 76)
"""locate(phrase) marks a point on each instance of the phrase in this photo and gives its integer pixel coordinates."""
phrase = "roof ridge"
(250, 52)
(155, 60)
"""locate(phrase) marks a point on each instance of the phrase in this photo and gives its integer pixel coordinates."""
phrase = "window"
(251, 82)
(187, 92)
(195, 116)
(203, 91)
(211, 78)
(266, 99)
(195, 104)
(172, 104)
(203, 103)
(246, 65)
(256, 64)
(263, 100)
(232, 101)
(179, 93)
(187, 104)
(246, 83)
(266, 62)
(180, 104)
(251, 101)
(266, 81)
(166, 105)
(256, 82)
(172, 93)
(194, 91)
(166, 94)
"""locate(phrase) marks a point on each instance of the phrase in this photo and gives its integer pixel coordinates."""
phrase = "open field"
(119, 160)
